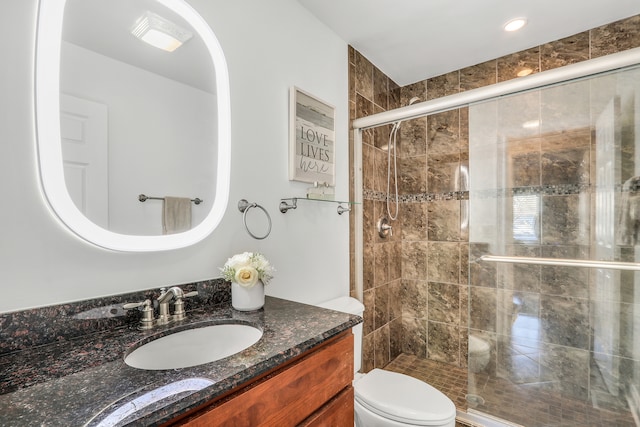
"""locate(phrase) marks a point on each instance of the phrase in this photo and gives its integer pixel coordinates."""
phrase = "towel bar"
(144, 198)
(613, 265)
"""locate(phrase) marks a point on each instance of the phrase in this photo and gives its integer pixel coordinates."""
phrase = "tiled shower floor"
(508, 401)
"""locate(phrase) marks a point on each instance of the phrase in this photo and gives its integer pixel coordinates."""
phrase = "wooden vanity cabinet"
(312, 390)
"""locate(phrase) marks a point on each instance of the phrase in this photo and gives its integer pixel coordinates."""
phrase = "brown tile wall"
(416, 287)
(370, 91)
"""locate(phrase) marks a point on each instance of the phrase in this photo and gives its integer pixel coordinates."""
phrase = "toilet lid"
(403, 398)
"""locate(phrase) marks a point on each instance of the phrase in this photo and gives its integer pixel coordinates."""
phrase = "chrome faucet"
(165, 298)
(164, 317)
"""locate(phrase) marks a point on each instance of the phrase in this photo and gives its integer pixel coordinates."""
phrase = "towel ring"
(244, 206)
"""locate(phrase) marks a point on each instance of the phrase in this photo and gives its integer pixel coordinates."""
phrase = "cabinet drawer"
(289, 396)
(338, 412)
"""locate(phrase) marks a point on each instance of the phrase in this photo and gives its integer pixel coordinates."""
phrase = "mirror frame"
(49, 148)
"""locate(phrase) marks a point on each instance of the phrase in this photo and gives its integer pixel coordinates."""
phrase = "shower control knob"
(384, 228)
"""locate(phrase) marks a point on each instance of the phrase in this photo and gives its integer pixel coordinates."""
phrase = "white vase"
(247, 299)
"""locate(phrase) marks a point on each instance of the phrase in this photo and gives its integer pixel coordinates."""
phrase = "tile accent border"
(546, 190)
(379, 196)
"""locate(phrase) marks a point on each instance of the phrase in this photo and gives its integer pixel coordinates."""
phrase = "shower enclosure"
(553, 226)
(555, 182)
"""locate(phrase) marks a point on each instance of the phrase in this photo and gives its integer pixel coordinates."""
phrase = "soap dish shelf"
(292, 203)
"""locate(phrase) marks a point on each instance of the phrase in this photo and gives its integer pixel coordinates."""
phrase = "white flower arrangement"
(247, 268)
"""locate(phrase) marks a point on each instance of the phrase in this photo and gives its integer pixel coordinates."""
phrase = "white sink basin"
(193, 347)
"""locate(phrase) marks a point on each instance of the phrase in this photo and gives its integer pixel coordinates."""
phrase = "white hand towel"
(176, 215)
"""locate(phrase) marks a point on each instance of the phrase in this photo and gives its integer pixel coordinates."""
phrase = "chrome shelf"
(292, 203)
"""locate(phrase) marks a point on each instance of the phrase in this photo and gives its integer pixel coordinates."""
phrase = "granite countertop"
(82, 381)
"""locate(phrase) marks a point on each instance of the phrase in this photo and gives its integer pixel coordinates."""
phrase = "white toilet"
(390, 399)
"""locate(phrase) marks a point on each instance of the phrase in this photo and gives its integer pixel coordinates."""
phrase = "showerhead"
(396, 125)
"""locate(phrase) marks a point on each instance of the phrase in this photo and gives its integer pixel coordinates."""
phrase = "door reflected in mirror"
(132, 116)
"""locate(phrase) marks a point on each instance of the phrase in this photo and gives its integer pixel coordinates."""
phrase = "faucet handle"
(147, 320)
(178, 313)
(130, 305)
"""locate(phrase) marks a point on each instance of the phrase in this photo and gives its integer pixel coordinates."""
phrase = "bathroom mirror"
(132, 97)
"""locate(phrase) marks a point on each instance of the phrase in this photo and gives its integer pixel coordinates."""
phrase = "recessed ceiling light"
(160, 32)
(524, 72)
(515, 24)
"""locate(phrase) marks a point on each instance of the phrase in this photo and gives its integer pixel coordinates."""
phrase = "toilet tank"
(351, 306)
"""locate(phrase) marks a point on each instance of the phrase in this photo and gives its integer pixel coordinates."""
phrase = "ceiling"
(412, 40)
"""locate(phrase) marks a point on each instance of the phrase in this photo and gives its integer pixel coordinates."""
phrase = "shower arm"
(612, 265)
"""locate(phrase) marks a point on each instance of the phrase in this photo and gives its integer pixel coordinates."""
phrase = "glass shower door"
(555, 175)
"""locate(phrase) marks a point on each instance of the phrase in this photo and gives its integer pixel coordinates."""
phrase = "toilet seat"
(403, 398)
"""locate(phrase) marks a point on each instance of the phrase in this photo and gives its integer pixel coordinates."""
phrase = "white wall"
(269, 47)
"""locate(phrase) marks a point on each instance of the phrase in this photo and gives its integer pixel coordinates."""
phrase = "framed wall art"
(311, 139)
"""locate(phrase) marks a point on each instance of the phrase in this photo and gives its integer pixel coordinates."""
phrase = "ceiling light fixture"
(524, 72)
(531, 124)
(160, 32)
(515, 24)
